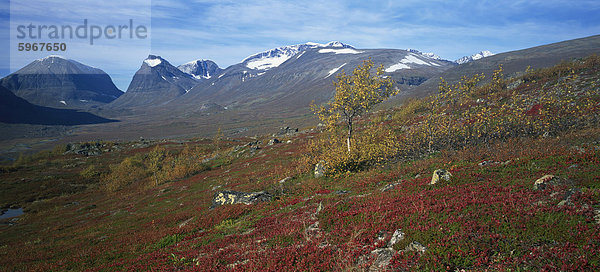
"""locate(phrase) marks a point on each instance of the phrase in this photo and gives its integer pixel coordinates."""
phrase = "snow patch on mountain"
(480, 55)
(50, 57)
(340, 51)
(152, 62)
(332, 71)
(273, 58)
(414, 59)
(428, 55)
(268, 62)
(200, 69)
(396, 67)
(411, 58)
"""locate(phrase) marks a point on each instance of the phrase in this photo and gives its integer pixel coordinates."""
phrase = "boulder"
(416, 246)
(396, 237)
(320, 169)
(440, 174)
(384, 256)
(274, 141)
(389, 186)
(233, 197)
(550, 180)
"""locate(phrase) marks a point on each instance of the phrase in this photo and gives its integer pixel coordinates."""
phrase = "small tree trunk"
(349, 134)
(348, 143)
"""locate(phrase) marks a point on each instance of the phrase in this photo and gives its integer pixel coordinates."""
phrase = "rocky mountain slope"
(289, 78)
(155, 83)
(58, 82)
(200, 69)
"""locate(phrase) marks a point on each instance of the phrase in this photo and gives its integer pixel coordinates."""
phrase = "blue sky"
(228, 31)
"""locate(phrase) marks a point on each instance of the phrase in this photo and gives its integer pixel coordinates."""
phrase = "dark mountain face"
(288, 79)
(58, 82)
(200, 69)
(155, 83)
(15, 110)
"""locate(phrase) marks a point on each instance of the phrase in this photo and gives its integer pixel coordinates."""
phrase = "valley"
(490, 164)
(517, 190)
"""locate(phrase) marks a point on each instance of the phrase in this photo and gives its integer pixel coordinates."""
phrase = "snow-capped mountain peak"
(428, 55)
(276, 56)
(200, 68)
(153, 60)
(480, 55)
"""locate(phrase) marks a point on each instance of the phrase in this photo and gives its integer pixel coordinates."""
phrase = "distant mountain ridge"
(56, 81)
(476, 56)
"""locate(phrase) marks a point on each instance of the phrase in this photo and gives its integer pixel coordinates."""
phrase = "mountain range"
(277, 83)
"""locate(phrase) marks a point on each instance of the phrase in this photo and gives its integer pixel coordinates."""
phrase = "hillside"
(15, 110)
(518, 190)
(517, 61)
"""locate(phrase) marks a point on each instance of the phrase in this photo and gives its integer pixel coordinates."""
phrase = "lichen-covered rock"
(550, 180)
(440, 174)
(384, 256)
(543, 182)
(233, 197)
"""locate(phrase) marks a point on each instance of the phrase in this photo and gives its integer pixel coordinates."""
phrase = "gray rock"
(597, 215)
(86, 149)
(396, 237)
(284, 180)
(549, 181)
(233, 197)
(568, 195)
(274, 141)
(416, 246)
(384, 256)
(514, 84)
(389, 186)
(205, 160)
(320, 169)
(184, 223)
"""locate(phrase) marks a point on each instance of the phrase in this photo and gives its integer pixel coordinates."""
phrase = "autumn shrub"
(467, 114)
(410, 109)
(159, 165)
(89, 172)
(374, 145)
(130, 170)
